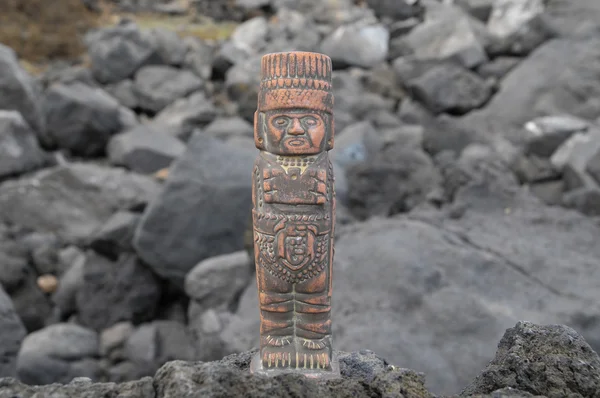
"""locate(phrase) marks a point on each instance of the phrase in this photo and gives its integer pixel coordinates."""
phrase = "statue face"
(299, 132)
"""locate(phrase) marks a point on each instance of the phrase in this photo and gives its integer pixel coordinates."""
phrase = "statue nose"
(296, 127)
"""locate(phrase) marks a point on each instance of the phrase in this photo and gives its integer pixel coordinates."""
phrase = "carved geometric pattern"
(270, 260)
(301, 162)
(291, 217)
(259, 191)
(309, 71)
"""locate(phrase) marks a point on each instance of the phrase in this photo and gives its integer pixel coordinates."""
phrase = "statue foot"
(314, 359)
(277, 357)
(313, 363)
(307, 354)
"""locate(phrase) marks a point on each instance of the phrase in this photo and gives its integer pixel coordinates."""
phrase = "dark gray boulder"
(123, 92)
(58, 353)
(553, 361)
(12, 333)
(31, 304)
(560, 77)
(450, 88)
(544, 135)
(118, 52)
(498, 67)
(116, 235)
(396, 9)
(81, 118)
(480, 9)
(576, 159)
(357, 45)
(145, 148)
(19, 148)
(584, 199)
(73, 200)
(69, 283)
(448, 33)
(395, 180)
(158, 86)
(227, 127)
(202, 211)
(186, 114)
(154, 344)
(170, 47)
(19, 92)
(114, 291)
(218, 281)
(199, 57)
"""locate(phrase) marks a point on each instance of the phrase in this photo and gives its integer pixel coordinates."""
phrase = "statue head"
(295, 104)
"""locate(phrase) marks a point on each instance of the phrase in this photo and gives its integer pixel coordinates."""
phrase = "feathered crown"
(296, 80)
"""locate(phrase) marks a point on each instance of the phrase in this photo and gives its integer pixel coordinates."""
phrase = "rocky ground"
(531, 361)
(467, 167)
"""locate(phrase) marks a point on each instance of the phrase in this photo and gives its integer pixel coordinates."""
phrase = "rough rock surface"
(79, 387)
(528, 358)
(553, 361)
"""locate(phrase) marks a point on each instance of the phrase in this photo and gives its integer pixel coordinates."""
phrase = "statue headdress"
(297, 80)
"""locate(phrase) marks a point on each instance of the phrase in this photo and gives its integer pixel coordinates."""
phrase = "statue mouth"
(297, 141)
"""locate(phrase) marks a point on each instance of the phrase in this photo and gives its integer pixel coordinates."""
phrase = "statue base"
(256, 367)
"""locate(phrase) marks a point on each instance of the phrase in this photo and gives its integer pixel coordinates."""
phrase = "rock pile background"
(467, 169)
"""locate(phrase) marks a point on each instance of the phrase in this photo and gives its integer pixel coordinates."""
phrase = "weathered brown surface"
(293, 213)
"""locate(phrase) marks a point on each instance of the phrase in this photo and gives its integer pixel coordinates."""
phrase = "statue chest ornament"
(296, 252)
(294, 180)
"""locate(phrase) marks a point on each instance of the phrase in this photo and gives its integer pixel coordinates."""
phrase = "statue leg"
(277, 348)
(295, 325)
(313, 323)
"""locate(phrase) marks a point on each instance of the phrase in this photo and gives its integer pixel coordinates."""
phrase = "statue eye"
(309, 121)
(280, 121)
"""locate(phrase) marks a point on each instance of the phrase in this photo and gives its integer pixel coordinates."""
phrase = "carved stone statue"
(294, 215)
